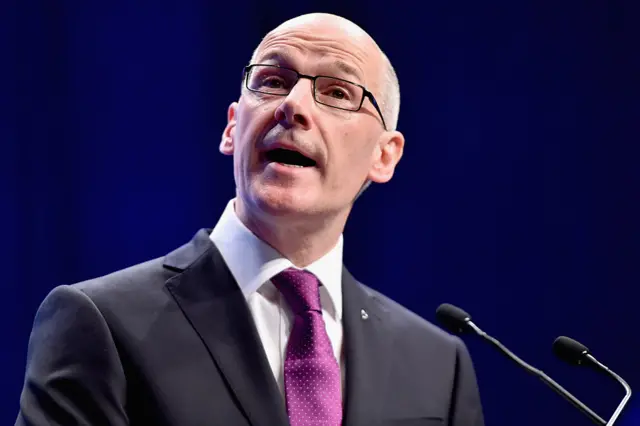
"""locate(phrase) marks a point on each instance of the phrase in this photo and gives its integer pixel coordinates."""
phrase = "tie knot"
(300, 289)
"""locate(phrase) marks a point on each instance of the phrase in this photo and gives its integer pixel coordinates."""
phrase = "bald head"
(324, 20)
(385, 81)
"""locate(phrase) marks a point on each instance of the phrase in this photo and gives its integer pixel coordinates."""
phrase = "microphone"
(459, 322)
(576, 353)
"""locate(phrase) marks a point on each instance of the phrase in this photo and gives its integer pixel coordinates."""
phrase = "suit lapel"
(367, 342)
(215, 306)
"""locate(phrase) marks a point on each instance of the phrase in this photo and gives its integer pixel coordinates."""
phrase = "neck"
(302, 242)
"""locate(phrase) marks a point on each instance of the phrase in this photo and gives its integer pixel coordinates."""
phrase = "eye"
(337, 92)
(273, 82)
(270, 79)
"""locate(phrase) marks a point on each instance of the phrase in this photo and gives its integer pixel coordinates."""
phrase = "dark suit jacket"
(172, 342)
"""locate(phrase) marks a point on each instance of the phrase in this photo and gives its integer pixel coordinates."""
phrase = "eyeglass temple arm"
(375, 104)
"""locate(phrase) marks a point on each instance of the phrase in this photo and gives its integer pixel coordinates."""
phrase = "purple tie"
(311, 371)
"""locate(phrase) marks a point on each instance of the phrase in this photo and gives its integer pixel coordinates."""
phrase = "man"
(257, 322)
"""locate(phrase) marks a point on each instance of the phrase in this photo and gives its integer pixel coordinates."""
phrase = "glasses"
(330, 91)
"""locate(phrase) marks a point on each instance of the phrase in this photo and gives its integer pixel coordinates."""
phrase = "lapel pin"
(364, 314)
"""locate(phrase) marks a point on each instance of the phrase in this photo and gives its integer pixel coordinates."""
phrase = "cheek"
(243, 142)
(257, 108)
(253, 119)
(355, 159)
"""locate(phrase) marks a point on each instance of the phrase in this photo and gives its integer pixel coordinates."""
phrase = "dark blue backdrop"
(517, 198)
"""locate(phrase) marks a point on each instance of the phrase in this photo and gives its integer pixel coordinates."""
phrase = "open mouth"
(289, 158)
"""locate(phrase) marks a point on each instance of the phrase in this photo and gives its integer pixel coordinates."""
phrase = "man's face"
(344, 149)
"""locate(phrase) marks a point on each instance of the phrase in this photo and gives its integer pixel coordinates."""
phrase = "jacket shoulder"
(130, 278)
(129, 289)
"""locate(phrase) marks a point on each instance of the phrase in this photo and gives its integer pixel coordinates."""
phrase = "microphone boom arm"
(620, 380)
(546, 379)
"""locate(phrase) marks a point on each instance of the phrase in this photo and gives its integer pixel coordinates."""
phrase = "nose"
(296, 107)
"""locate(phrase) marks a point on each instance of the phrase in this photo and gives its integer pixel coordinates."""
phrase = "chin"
(280, 201)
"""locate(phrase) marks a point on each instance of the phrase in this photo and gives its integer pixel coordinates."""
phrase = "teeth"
(291, 165)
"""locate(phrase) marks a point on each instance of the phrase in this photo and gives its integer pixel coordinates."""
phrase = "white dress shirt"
(253, 263)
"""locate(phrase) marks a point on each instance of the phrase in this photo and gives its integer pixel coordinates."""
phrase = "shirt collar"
(253, 262)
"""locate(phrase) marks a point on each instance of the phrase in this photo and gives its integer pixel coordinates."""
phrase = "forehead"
(321, 48)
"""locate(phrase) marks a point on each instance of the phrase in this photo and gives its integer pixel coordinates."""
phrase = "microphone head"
(571, 351)
(453, 318)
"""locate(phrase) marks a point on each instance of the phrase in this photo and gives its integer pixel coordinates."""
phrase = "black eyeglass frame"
(365, 92)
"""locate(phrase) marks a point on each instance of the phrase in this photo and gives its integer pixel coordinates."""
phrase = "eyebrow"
(348, 69)
(278, 56)
(287, 59)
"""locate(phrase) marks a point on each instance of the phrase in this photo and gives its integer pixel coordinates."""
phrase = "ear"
(386, 156)
(227, 143)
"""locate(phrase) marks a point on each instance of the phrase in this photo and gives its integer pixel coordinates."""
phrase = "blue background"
(517, 198)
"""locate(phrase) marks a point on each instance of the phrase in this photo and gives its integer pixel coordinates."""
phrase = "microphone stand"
(620, 380)
(542, 376)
